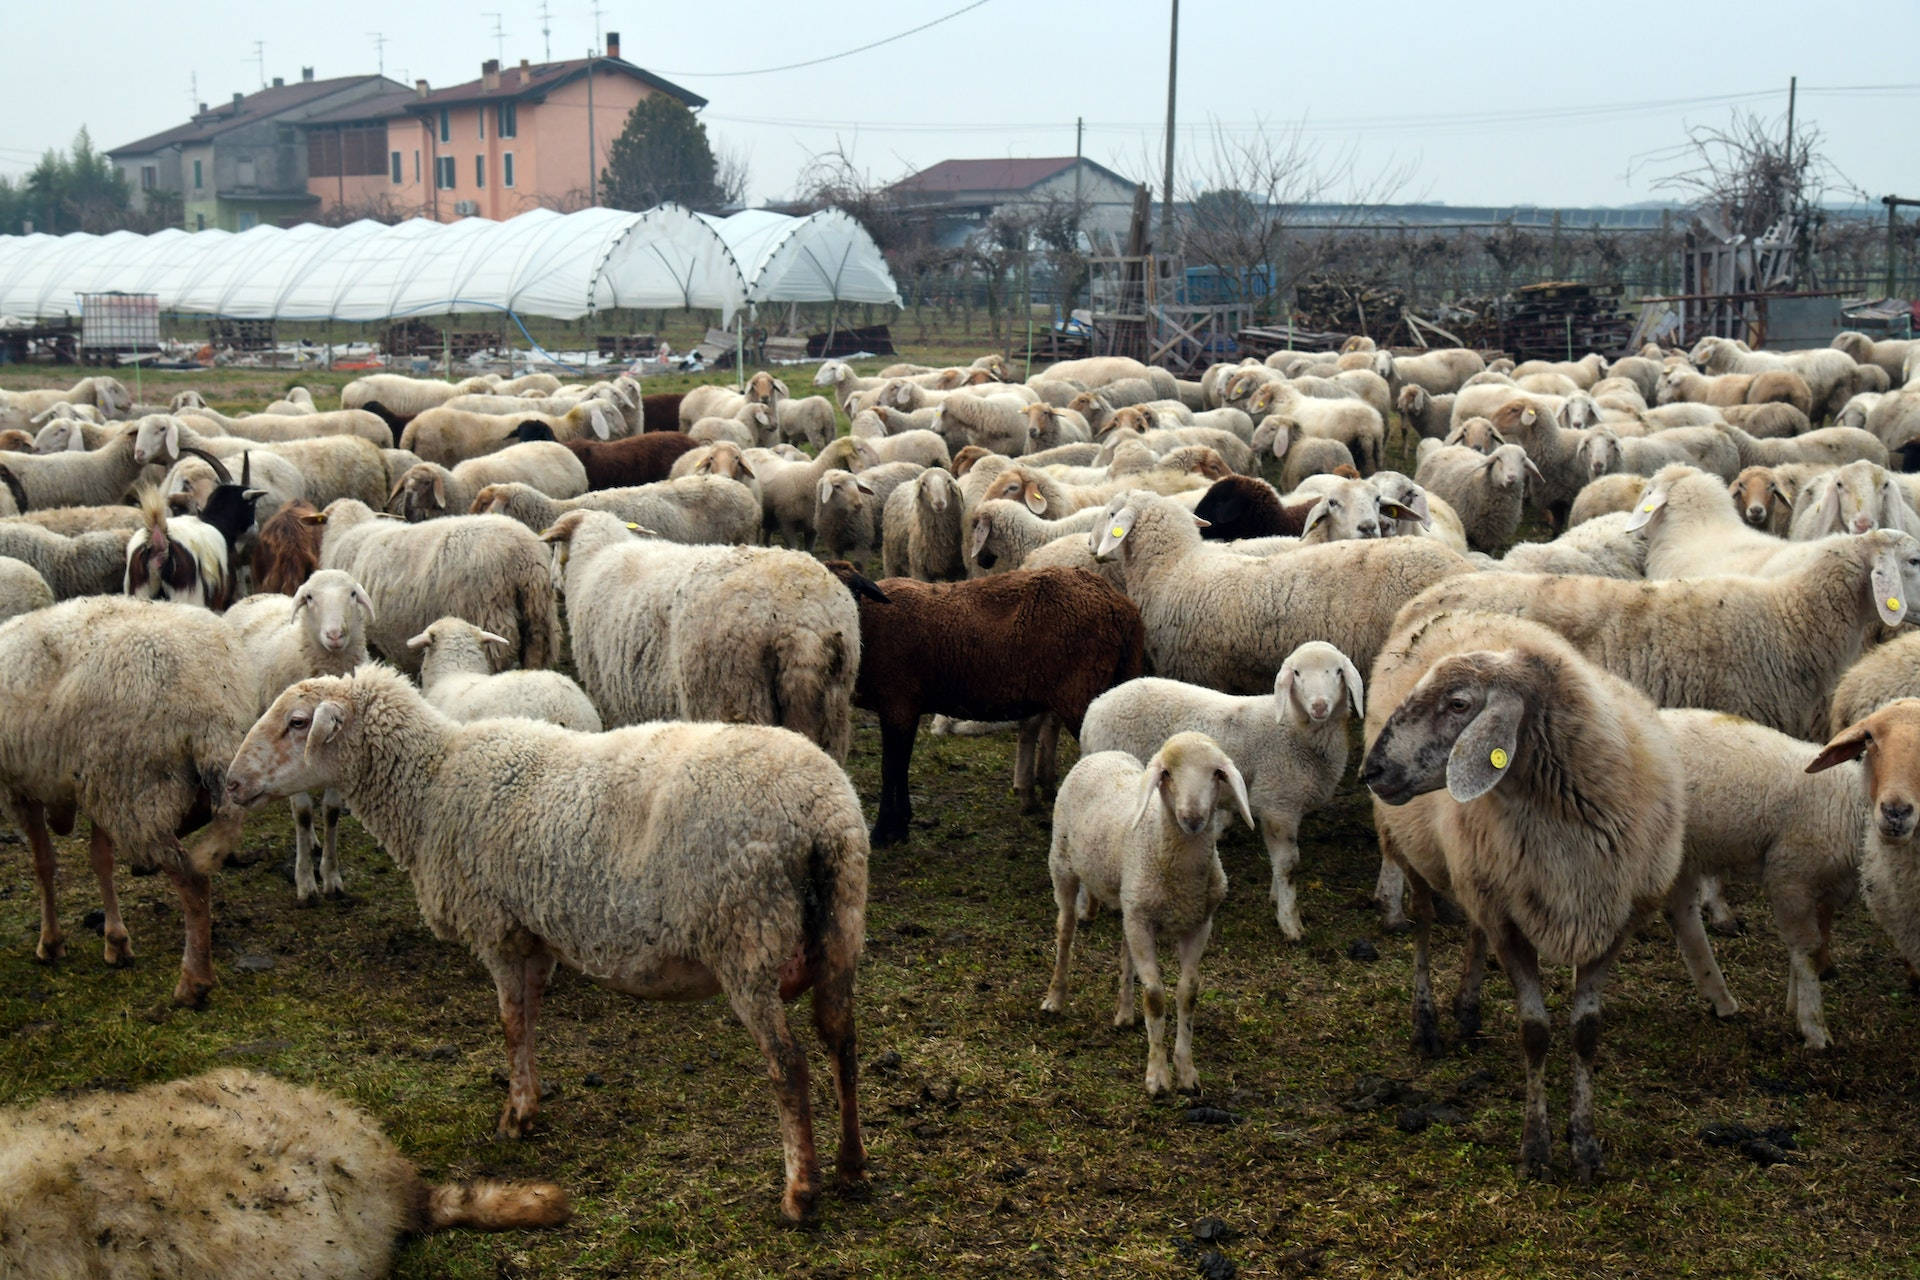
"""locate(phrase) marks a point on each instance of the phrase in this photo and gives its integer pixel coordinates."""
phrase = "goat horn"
(220, 471)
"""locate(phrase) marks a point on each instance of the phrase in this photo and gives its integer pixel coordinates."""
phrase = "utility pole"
(1079, 131)
(1793, 91)
(593, 160)
(1893, 204)
(1166, 190)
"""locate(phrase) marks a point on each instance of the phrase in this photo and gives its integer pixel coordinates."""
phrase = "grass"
(1007, 1143)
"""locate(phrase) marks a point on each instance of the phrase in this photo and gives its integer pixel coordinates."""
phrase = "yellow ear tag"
(1648, 507)
(633, 526)
(1893, 604)
(1119, 532)
(1499, 758)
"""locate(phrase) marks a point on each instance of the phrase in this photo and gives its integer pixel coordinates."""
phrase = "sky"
(1569, 106)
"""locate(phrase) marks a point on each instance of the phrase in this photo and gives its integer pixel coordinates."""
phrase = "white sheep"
(669, 861)
(921, 529)
(1290, 747)
(696, 508)
(430, 490)
(22, 589)
(458, 682)
(1602, 547)
(1485, 490)
(1143, 839)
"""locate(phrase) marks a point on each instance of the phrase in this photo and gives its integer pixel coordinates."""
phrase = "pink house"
(522, 138)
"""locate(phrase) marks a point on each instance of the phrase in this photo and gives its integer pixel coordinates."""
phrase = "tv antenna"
(546, 31)
(596, 24)
(260, 58)
(379, 50)
(499, 37)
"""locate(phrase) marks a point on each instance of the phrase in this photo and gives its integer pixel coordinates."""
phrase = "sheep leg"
(1023, 766)
(330, 881)
(1797, 918)
(52, 945)
(305, 890)
(833, 1020)
(513, 980)
(1473, 973)
(1123, 1007)
(196, 907)
(1190, 948)
(1823, 958)
(1389, 893)
(1521, 964)
(1141, 945)
(1047, 754)
(896, 760)
(1696, 952)
(1426, 1025)
(760, 1009)
(1282, 834)
(119, 947)
(1066, 889)
(1588, 981)
(1720, 916)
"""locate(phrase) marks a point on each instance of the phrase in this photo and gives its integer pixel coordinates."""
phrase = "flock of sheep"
(1560, 736)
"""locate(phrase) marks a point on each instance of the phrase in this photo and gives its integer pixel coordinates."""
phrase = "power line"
(832, 57)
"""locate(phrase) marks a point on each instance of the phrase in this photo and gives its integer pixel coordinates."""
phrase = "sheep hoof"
(1587, 1156)
(50, 951)
(191, 993)
(513, 1125)
(119, 952)
(886, 836)
(1426, 1033)
(1157, 1087)
(307, 900)
(1053, 1004)
(1727, 927)
(338, 893)
(797, 1203)
(1467, 1015)
(1390, 923)
(1535, 1161)
(1818, 1041)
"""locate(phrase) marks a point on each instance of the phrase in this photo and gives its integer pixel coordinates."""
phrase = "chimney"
(419, 88)
(490, 73)
(236, 101)
(306, 75)
(203, 108)
(279, 82)
(613, 44)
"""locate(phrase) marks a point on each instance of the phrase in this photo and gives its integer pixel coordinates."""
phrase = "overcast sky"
(1475, 107)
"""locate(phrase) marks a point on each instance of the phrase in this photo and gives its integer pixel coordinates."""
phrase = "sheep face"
(1401, 498)
(1889, 742)
(334, 609)
(1755, 493)
(1350, 511)
(1412, 401)
(156, 437)
(1314, 678)
(934, 489)
(1477, 434)
(1508, 467)
(294, 746)
(1601, 454)
(62, 435)
(1459, 728)
(1192, 778)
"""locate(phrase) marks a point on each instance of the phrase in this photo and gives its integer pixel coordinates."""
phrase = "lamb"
(1290, 748)
(457, 682)
(125, 711)
(1544, 796)
(96, 478)
(428, 490)
(748, 635)
(1752, 810)
(810, 419)
(321, 631)
(692, 859)
(1219, 619)
(691, 509)
(636, 460)
(1162, 871)
(1709, 448)
(1486, 490)
(451, 436)
(1769, 649)
(921, 529)
(488, 569)
(398, 400)
(1032, 645)
(227, 1174)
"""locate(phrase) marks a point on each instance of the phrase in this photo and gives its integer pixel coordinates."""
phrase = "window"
(506, 169)
(149, 177)
(480, 172)
(247, 220)
(393, 167)
(285, 134)
(196, 176)
(243, 172)
(480, 120)
(443, 172)
(199, 219)
(509, 122)
(355, 152)
(446, 126)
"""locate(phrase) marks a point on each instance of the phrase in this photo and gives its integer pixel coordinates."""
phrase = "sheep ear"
(1350, 674)
(328, 719)
(863, 486)
(1650, 505)
(825, 491)
(1229, 774)
(439, 491)
(1781, 494)
(491, 638)
(1851, 744)
(1282, 438)
(1320, 512)
(173, 438)
(320, 517)
(1484, 749)
(422, 640)
(1108, 534)
(598, 417)
(1889, 595)
(302, 598)
(1283, 690)
(398, 485)
(365, 601)
(1537, 475)
(1035, 500)
(978, 540)
(1150, 783)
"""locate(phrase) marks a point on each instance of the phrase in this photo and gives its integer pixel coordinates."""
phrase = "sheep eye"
(297, 721)
(1459, 702)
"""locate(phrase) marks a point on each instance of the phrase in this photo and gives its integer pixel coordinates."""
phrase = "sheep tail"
(810, 669)
(496, 1206)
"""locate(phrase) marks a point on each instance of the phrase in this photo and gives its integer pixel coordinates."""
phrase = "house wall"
(411, 196)
(558, 161)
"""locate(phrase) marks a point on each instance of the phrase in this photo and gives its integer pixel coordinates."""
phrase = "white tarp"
(541, 263)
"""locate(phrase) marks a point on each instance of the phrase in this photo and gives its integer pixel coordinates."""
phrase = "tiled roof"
(277, 101)
(541, 79)
(951, 176)
(380, 106)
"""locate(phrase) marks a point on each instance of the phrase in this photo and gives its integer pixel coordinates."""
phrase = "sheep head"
(1754, 492)
(295, 746)
(1313, 678)
(1458, 728)
(1192, 778)
(1889, 742)
(334, 609)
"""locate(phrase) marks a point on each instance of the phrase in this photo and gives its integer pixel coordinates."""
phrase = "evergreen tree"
(662, 154)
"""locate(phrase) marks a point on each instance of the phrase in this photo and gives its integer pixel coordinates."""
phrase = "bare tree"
(730, 176)
(1743, 173)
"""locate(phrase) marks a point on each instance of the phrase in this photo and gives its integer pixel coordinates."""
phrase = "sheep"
(1682, 384)
(715, 401)
(229, 1174)
(1853, 499)
(844, 520)
(1887, 739)
(320, 631)
(810, 419)
(125, 712)
(398, 400)
(109, 395)
(1486, 490)
(1290, 748)
(428, 490)
(1885, 354)
(669, 861)
(456, 681)
(1001, 534)
(1828, 373)
(789, 491)
(96, 478)
(326, 467)
(1895, 419)
(1764, 496)
(287, 551)
(1301, 455)
(1769, 649)
(1693, 530)
(1543, 795)
(1218, 619)
(691, 509)
(1601, 547)
(1583, 373)
(85, 564)
(1752, 810)
(1353, 423)
(297, 400)
(636, 460)
(487, 569)
(1552, 384)
(751, 635)
(1883, 674)
(1440, 372)
(1234, 451)
(921, 529)
(275, 428)
(923, 448)
(1238, 507)
(451, 436)
(1095, 371)
(1428, 416)
(1830, 446)
(1709, 448)
(22, 589)
(1163, 873)
(1768, 421)
(180, 558)
(1478, 434)
(992, 423)
(1608, 494)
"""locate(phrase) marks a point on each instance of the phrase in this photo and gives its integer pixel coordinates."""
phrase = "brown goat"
(1015, 646)
(642, 459)
(288, 549)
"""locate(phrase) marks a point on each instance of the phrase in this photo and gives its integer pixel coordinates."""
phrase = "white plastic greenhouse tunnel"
(541, 263)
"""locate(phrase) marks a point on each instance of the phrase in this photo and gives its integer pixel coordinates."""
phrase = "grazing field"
(1005, 1142)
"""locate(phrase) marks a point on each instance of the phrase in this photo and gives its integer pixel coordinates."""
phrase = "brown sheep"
(641, 459)
(1013, 646)
(288, 549)
(661, 411)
